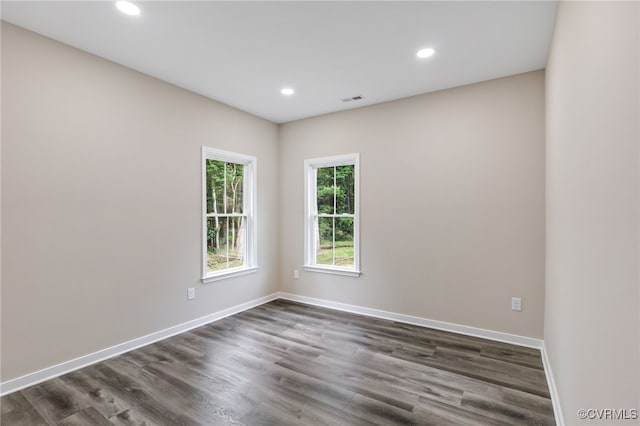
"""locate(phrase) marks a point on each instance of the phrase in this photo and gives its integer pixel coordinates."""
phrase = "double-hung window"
(332, 215)
(229, 219)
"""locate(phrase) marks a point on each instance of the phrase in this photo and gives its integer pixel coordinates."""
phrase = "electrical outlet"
(516, 304)
(191, 293)
(296, 274)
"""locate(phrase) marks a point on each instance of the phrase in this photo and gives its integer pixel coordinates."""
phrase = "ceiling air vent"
(353, 98)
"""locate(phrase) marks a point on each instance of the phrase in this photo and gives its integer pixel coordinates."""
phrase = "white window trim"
(250, 164)
(310, 210)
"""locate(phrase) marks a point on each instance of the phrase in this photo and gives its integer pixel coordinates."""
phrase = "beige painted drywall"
(463, 232)
(592, 251)
(0, 204)
(101, 203)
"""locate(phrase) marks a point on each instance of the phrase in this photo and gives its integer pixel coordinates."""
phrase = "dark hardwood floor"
(286, 363)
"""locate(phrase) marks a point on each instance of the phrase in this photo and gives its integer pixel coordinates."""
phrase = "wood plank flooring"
(286, 363)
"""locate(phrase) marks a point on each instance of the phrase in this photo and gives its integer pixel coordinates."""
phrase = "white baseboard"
(553, 390)
(423, 322)
(101, 355)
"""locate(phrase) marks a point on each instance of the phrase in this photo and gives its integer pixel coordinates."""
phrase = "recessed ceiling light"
(287, 91)
(128, 8)
(425, 53)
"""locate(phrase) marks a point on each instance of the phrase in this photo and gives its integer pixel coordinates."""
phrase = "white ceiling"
(243, 53)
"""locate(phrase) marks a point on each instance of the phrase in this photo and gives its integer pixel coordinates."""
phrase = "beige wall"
(463, 230)
(101, 203)
(592, 252)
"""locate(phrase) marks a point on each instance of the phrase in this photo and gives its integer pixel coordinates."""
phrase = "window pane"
(345, 189)
(215, 186)
(344, 241)
(216, 244)
(325, 190)
(234, 187)
(237, 241)
(324, 241)
(239, 205)
(209, 191)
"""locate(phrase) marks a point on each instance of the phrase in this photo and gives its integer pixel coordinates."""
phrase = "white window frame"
(249, 197)
(311, 211)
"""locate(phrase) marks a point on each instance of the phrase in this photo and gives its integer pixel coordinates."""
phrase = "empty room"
(320, 213)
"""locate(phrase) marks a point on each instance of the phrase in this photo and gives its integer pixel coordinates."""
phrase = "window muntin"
(229, 220)
(332, 215)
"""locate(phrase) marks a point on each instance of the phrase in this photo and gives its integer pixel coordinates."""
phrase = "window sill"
(334, 271)
(228, 274)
